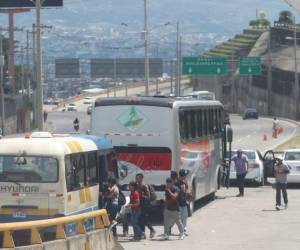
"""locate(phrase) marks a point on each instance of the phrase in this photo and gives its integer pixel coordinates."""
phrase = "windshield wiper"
(13, 181)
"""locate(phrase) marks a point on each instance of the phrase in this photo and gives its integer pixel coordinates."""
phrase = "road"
(228, 222)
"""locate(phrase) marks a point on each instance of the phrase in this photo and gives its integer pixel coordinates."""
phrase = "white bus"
(155, 136)
(202, 95)
(45, 176)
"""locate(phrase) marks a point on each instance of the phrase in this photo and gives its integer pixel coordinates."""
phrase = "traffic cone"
(265, 137)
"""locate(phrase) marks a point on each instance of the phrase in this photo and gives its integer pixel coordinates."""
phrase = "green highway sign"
(250, 66)
(204, 65)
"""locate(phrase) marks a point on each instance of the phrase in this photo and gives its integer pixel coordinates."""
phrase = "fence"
(82, 239)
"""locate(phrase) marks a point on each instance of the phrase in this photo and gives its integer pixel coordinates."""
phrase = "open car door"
(269, 162)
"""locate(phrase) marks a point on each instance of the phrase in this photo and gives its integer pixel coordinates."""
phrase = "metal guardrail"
(100, 217)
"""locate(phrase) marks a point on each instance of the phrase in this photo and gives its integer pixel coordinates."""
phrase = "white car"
(256, 167)
(88, 100)
(291, 157)
(71, 107)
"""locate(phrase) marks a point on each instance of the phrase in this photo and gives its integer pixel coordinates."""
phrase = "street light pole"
(146, 48)
(39, 84)
(1, 85)
(177, 91)
(296, 70)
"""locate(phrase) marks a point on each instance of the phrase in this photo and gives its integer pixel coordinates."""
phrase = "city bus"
(45, 176)
(155, 135)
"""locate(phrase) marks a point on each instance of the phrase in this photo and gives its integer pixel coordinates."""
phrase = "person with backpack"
(183, 198)
(144, 191)
(111, 197)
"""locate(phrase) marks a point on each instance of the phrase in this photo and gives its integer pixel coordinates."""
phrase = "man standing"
(241, 167)
(171, 212)
(281, 172)
(145, 205)
(182, 198)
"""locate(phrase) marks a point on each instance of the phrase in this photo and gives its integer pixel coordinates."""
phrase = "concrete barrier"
(97, 239)
(77, 242)
(55, 245)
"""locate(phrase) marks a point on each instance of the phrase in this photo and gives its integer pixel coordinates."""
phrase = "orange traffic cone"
(265, 137)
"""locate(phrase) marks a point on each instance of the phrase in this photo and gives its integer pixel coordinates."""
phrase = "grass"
(292, 143)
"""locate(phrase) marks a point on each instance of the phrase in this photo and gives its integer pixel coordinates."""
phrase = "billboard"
(4, 4)
(67, 68)
(125, 68)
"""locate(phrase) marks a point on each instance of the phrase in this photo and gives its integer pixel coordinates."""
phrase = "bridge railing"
(100, 218)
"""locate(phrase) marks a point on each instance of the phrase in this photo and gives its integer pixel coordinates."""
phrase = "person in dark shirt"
(171, 212)
(182, 198)
(145, 205)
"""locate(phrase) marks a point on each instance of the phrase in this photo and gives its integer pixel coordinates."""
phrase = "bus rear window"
(31, 169)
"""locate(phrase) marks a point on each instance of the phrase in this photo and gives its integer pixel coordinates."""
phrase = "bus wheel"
(191, 206)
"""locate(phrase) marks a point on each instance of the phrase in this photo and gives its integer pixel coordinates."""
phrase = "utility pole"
(172, 74)
(115, 76)
(27, 64)
(269, 94)
(1, 85)
(39, 83)
(296, 70)
(177, 84)
(146, 47)
(22, 70)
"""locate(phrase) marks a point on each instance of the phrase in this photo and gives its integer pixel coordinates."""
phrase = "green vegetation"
(293, 143)
(286, 16)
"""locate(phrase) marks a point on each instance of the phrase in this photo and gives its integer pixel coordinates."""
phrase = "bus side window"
(186, 126)
(102, 170)
(182, 126)
(78, 165)
(69, 172)
(205, 123)
(91, 170)
(199, 123)
(193, 124)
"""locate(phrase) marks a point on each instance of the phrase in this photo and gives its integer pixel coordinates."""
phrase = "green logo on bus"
(133, 119)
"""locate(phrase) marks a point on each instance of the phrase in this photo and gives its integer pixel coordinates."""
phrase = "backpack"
(121, 200)
(153, 195)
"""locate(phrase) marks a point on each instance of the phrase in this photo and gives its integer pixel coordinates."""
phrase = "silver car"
(256, 167)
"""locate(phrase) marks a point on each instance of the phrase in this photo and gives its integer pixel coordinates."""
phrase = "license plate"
(19, 214)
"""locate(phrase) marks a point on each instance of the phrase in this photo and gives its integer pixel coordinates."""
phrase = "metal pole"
(1, 85)
(172, 74)
(11, 54)
(177, 62)
(179, 66)
(39, 83)
(27, 64)
(33, 52)
(115, 77)
(296, 71)
(269, 94)
(22, 70)
(146, 48)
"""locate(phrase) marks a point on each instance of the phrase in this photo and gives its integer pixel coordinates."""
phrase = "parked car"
(256, 167)
(250, 114)
(71, 107)
(88, 100)
(291, 157)
(89, 110)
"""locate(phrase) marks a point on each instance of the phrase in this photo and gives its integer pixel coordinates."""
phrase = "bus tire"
(191, 206)
(212, 196)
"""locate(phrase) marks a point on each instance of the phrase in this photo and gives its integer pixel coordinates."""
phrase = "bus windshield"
(32, 169)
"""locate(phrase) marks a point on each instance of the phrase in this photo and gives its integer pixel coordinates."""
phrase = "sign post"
(250, 66)
(204, 65)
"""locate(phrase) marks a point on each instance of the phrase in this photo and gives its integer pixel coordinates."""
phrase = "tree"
(286, 16)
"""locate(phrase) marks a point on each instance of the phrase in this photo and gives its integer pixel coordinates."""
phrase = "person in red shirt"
(135, 207)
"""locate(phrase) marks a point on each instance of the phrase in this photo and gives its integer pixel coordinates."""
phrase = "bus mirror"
(229, 134)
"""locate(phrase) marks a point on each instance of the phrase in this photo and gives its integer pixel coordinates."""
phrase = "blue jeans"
(135, 218)
(184, 215)
(281, 187)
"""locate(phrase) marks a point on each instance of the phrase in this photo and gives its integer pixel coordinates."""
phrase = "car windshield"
(14, 168)
(292, 156)
(250, 154)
